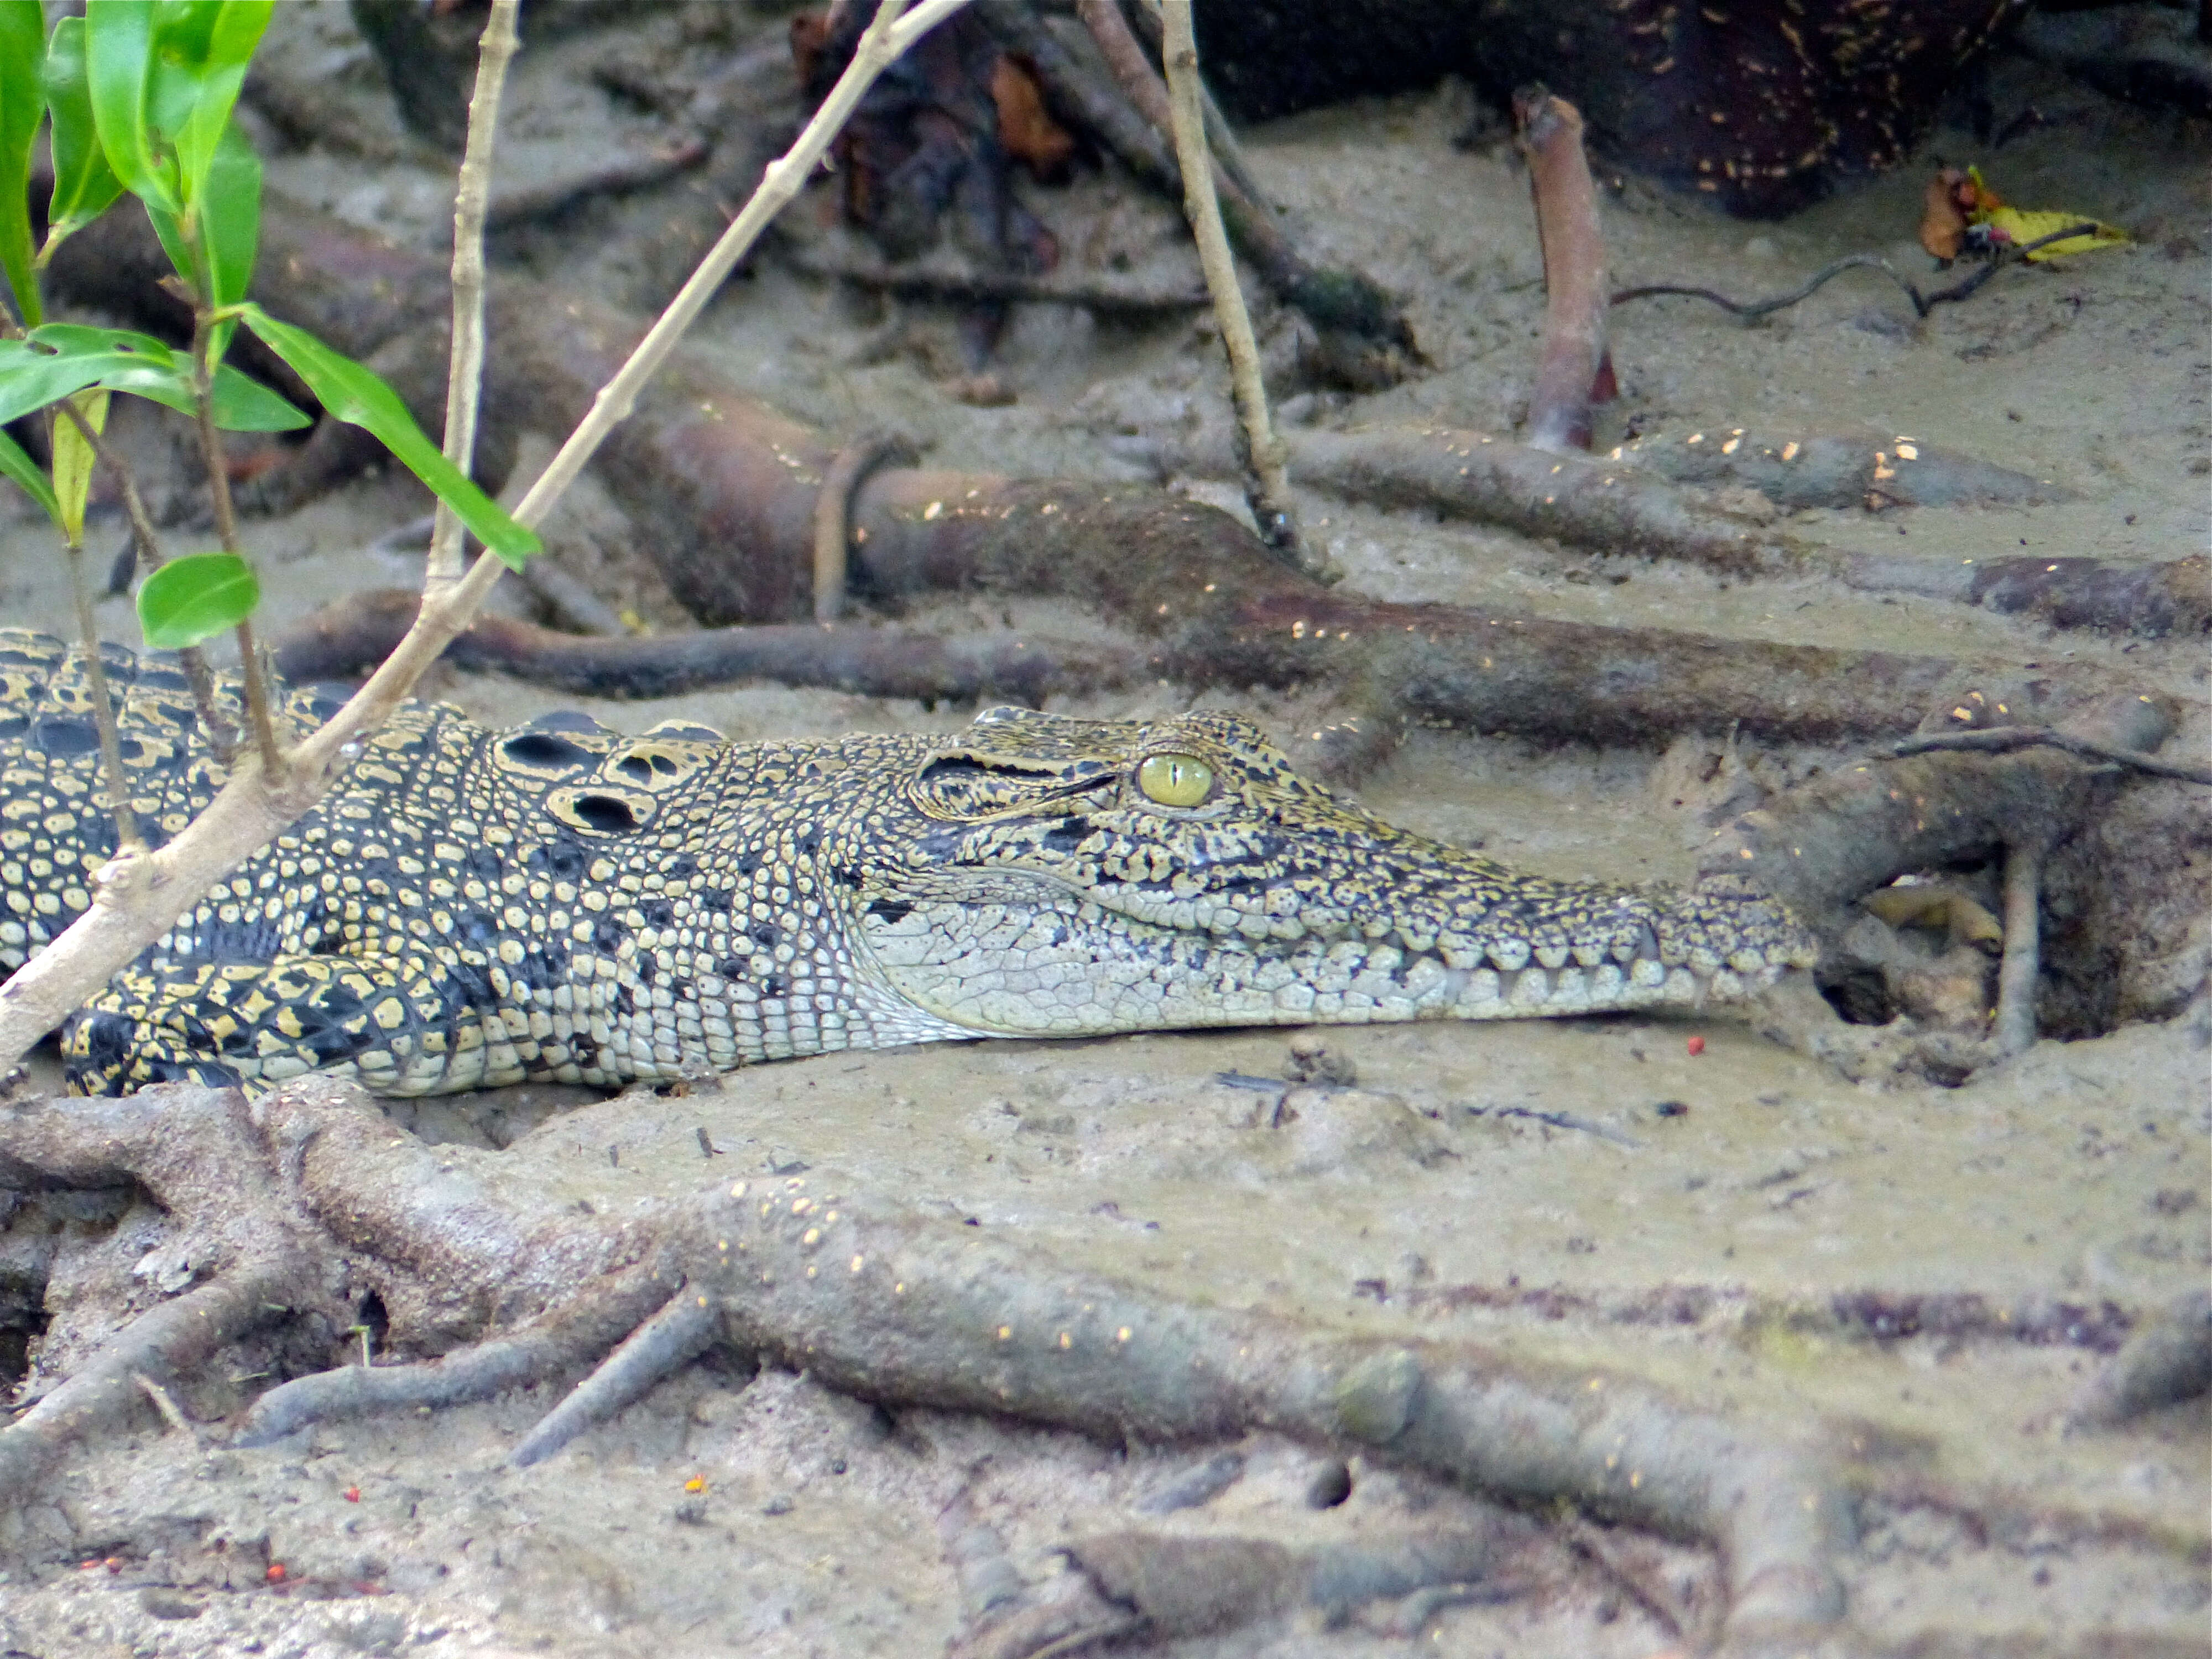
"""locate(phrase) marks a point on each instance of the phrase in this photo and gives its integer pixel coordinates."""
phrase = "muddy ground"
(1741, 1223)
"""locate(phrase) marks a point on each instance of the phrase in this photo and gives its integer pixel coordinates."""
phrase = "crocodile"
(468, 907)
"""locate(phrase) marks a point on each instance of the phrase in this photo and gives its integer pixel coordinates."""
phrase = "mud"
(1924, 1277)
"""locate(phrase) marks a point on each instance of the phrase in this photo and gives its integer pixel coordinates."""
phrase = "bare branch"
(1267, 481)
(223, 736)
(103, 705)
(472, 194)
(257, 715)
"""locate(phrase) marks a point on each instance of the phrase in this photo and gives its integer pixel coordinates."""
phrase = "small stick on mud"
(1575, 370)
(1267, 483)
(1753, 310)
(2014, 1028)
(165, 1403)
(2004, 740)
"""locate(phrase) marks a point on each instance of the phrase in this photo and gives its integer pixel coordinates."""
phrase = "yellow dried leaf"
(2018, 226)
(73, 461)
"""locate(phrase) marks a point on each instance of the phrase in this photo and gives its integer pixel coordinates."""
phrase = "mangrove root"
(304, 1199)
(346, 639)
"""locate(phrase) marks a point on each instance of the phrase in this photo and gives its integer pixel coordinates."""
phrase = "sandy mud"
(1926, 1275)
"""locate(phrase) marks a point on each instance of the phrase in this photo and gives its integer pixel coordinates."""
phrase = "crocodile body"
(469, 907)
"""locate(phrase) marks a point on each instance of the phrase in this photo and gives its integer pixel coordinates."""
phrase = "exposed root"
(684, 1328)
(1824, 846)
(893, 1309)
(2004, 740)
(948, 279)
(1632, 507)
(833, 511)
(1820, 847)
(348, 638)
(1222, 614)
(568, 1340)
(174, 1339)
(1818, 469)
(1576, 369)
(2166, 1361)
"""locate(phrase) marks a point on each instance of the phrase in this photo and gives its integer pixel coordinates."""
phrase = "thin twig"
(223, 736)
(471, 195)
(258, 718)
(103, 706)
(165, 1403)
(2015, 1027)
(127, 837)
(2000, 740)
(1266, 479)
(137, 899)
(1228, 155)
(1139, 83)
(1750, 310)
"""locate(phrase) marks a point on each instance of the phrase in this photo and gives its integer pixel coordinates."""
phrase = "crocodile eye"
(1175, 780)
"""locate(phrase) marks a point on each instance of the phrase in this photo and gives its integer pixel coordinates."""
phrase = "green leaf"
(31, 380)
(22, 101)
(84, 185)
(73, 461)
(118, 360)
(194, 597)
(118, 60)
(27, 473)
(213, 59)
(230, 224)
(353, 394)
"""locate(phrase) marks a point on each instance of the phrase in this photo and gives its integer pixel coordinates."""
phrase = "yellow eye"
(1175, 780)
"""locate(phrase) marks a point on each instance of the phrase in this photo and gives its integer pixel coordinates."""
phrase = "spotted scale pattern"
(469, 907)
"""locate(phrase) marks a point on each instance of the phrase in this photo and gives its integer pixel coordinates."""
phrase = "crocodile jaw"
(1029, 955)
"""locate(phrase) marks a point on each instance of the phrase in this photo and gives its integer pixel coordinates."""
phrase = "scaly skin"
(470, 908)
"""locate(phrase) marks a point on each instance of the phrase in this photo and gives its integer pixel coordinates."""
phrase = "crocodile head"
(1070, 876)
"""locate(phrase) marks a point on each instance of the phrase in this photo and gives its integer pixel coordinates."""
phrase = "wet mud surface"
(1924, 1276)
